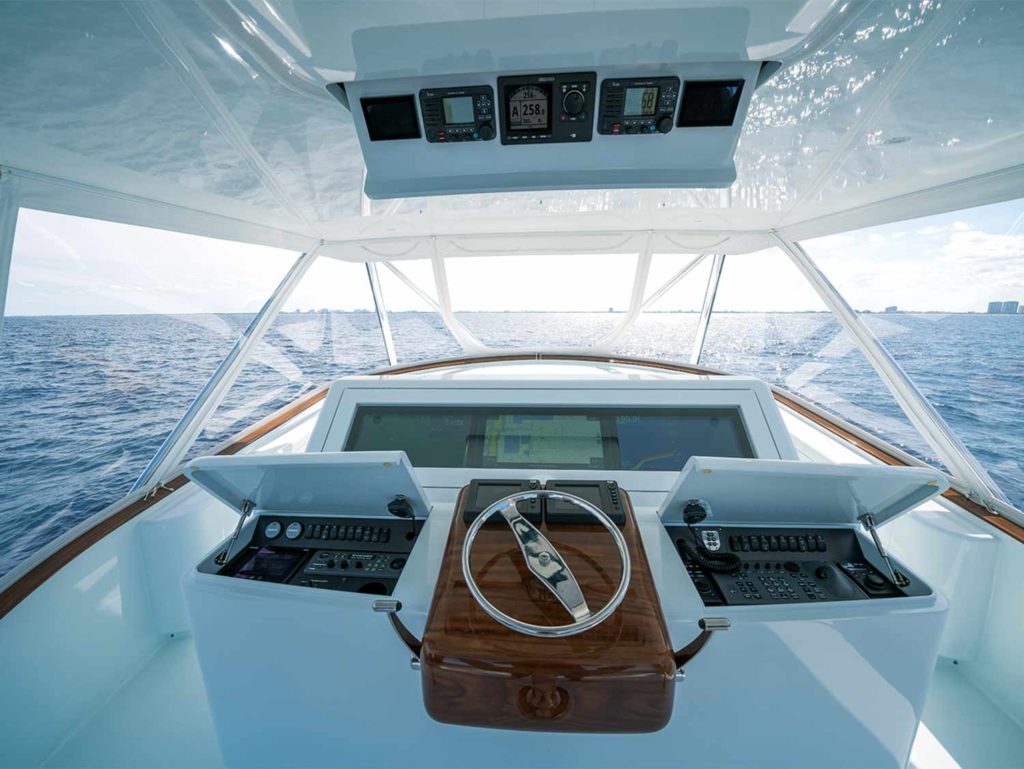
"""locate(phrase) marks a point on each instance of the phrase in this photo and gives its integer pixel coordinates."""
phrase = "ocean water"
(87, 400)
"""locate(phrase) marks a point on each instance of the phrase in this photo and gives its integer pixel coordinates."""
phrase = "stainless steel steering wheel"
(547, 565)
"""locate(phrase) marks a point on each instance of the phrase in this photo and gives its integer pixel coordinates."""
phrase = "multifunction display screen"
(543, 440)
(268, 564)
(599, 438)
(457, 109)
(640, 102)
(528, 107)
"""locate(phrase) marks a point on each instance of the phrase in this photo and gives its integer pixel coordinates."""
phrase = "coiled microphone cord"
(720, 563)
(696, 510)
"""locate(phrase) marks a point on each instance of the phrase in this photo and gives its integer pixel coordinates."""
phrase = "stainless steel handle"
(546, 563)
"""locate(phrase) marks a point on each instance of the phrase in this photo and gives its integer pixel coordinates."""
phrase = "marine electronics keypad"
(744, 566)
(637, 105)
(463, 114)
(351, 554)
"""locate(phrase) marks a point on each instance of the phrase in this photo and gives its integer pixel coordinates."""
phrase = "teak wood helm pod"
(618, 675)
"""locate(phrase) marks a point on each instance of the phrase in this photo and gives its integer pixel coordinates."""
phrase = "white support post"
(463, 335)
(466, 340)
(636, 301)
(8, 225)
(705, 311)
(963, 466)
(382, 312)
(653, 298)
(180, 439)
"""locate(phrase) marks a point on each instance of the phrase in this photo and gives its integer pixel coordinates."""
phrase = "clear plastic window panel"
(417, 328)
(563, 300)
(668, 324)
(943, 293)
(327, 329)
(110, 332)
(769, 322)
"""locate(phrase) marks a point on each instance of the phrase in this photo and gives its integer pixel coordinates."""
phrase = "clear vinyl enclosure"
(113, 353)
(213, 120)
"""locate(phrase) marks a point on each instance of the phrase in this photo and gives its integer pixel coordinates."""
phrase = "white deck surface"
(160, 719)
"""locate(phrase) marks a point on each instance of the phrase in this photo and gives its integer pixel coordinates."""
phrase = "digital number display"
(457, 109)
(640, 102)
(528, 107)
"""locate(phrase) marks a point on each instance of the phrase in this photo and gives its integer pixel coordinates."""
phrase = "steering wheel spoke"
(545, 563)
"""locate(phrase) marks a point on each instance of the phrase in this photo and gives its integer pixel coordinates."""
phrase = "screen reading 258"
(528, 108)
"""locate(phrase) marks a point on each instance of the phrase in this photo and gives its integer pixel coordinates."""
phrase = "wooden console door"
(616, 677)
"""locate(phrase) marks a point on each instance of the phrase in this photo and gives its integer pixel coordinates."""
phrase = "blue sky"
(952, 262)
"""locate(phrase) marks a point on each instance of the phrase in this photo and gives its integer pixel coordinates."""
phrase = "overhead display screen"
(528, 107)
(710, 103)
(640, 102)
(391, 117)
(457, 109)
(599, 438)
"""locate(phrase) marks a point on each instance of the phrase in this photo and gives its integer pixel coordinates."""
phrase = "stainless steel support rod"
(178, 441)
(705, 311)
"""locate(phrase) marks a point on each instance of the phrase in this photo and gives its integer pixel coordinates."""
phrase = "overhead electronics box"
(644, 99)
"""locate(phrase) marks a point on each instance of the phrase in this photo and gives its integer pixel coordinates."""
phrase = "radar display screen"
(640, 102)
(457, 109)
(528, 107)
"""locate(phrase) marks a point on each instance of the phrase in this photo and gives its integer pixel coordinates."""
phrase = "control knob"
(486, 131)
(875, 581)
(574, 102)
(664, 124)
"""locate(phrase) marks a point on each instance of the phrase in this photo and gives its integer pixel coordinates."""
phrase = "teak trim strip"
(17, 591)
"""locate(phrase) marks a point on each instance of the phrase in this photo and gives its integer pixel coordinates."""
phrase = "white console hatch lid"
(335, 483)
(788, 492)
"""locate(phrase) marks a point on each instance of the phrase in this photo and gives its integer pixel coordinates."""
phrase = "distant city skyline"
(957, 262)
